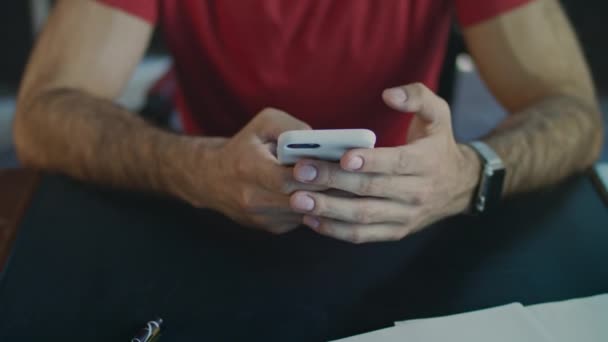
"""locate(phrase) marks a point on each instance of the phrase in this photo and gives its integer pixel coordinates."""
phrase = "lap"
(88, 258)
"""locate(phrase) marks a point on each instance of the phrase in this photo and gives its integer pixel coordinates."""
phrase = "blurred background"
(475, 112)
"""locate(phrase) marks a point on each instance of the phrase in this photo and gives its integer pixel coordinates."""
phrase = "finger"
(364, 210)
(417, 98)
(271, 122)
(403, 160)
(280, 224)
(277, 226)
(266, 171)
(280, 179)
(279, 229)
(356, 233)
(332, 176)
(359, 183)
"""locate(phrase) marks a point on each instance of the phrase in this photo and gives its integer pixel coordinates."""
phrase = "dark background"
(16, 37)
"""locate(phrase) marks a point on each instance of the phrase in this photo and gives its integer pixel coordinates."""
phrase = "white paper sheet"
(577, 320)
(506, 323)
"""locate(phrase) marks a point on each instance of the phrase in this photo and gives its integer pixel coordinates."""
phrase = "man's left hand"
(399, 190)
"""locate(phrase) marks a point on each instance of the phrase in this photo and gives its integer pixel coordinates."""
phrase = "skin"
(66, 122)
(553, 131)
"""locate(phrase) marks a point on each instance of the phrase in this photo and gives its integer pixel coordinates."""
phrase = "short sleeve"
(471, 12)
(143, 9)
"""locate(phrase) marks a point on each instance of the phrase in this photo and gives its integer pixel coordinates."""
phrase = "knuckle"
(419, 198)
(370, 161)
(419, 88)
(258, 222)
(283, 184)
(304, 126)
(401, 234)
(395, 237)
(280, 229)
(356, 237)
(423, 96)
(403, 160)
(320, 207)
(422, 196)
(247, 201)
(363, 214)
(370, 186)
(269, 112)
(324, 228)
(262, 115)
(331, 177)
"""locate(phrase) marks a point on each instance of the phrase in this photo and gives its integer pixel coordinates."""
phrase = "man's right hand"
(244, 179)
(66, 122)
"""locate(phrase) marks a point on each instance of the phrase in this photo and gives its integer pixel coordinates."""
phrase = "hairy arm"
(66, 120)
(532, 63)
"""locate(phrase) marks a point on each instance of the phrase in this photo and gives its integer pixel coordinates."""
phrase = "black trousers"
(94, 264)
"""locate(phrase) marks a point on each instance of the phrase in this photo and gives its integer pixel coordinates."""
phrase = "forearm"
(547, 142)
(93, 139)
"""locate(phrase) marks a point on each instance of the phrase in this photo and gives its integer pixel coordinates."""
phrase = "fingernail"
(303, 202)
(396, 95)
(311, 222)
(306, 173)
(355, 163)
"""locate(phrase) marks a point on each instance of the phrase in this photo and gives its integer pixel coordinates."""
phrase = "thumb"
(271, 122)
(417, 98)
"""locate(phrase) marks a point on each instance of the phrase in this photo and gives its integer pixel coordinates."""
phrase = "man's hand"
(400, 190)
(245, 180)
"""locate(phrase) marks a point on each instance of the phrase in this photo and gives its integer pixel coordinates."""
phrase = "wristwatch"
(489, 191)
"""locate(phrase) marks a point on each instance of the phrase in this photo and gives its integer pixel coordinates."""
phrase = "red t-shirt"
(325, 62)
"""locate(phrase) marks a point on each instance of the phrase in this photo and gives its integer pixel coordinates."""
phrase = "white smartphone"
(324, 144)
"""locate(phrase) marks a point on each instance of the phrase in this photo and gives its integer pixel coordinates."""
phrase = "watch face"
(494, 189)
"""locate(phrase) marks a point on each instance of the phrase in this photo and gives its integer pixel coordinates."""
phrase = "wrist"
(470, 166)
(190, 169)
